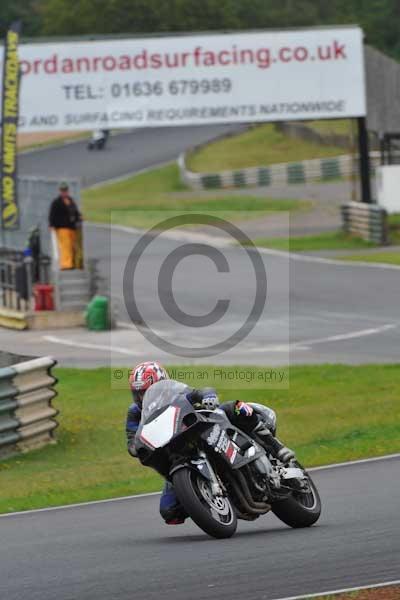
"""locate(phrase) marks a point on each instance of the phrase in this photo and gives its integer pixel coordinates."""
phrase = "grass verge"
(30, 141)
(389, 258)
(394, 229)
(338, 240)
(142, 200)
(261, 145)
(330, 413)
(323, 241)
(331, 126)
(381, 593)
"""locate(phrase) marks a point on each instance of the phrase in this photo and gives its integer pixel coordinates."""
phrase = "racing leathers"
(253, 419)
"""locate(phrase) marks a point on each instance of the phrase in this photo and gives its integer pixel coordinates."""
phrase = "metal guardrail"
(368, 221)
(18, 273)
(27, 417)
(307, 171)
(15, 280)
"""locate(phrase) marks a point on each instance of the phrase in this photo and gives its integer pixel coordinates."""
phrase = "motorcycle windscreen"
(161, 395)
(160, 430)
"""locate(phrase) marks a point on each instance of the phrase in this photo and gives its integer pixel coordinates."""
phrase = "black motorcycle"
(219, 473)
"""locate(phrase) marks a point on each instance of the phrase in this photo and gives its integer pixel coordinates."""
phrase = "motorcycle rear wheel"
(214, 515)
(299, 510)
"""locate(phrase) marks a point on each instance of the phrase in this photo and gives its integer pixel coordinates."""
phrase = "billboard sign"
(194, 79)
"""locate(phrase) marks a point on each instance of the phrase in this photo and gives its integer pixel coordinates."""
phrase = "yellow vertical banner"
(9, 127)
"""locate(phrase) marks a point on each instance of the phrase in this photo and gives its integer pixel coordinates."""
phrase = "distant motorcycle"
(99, 139)
(219, 473)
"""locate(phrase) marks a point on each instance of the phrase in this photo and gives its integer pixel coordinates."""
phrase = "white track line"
(303, 345)
(359, 461)
(129, 352)
(306, 344)
(136, 496)
(219, 241)
(78, 505)
(126, 325)
(127, 176)
(87, 346)
(348, 336)
(326, 261)
(342, 591)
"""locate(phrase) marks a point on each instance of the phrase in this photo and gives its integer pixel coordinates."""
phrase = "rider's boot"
(170, 509)
(273, 445)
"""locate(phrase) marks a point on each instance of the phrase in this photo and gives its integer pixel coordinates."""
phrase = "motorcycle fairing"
(158, 433)
(232, 452)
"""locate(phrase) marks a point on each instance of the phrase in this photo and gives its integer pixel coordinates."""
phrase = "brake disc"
(217, 503)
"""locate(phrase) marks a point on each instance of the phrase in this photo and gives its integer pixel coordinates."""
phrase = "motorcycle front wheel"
(215, 515)
(300, 509)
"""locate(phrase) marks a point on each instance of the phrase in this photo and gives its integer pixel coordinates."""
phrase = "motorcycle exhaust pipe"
(243, 501)
(250, 500)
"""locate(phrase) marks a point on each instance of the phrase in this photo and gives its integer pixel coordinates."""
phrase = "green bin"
(98, 314)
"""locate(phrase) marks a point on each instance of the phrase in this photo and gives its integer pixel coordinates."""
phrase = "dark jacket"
(64, 215)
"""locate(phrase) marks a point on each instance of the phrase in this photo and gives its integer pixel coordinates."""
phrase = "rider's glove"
(206, 398)
(210, 400)
(243, 409)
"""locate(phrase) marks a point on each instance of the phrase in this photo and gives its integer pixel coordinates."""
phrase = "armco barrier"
(27, 417)
(368, 221)
(306, 171)
(8, 421)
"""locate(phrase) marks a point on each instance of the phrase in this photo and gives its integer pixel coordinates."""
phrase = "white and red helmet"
(143, 376)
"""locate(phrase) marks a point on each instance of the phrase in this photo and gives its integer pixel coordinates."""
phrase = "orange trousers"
(66, 239)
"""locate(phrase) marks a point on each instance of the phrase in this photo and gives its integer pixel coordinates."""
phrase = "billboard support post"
(364, 163)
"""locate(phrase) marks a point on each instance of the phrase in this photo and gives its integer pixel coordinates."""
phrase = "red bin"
(43, 294)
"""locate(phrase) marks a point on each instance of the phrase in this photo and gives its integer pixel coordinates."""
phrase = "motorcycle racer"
(249, 417)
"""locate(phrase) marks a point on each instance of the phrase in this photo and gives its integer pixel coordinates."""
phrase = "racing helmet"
(143, 376)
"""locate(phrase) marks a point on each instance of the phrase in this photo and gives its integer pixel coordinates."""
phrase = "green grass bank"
(261, 145)
(146, 199)
(330, 413)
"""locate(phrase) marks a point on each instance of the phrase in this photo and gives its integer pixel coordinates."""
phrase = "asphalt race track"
(125, 153)
(316, 311)
(122, 551)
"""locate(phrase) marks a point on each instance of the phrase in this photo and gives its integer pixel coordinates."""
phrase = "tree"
(136, 16)
(27, 11)
(380, 19)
